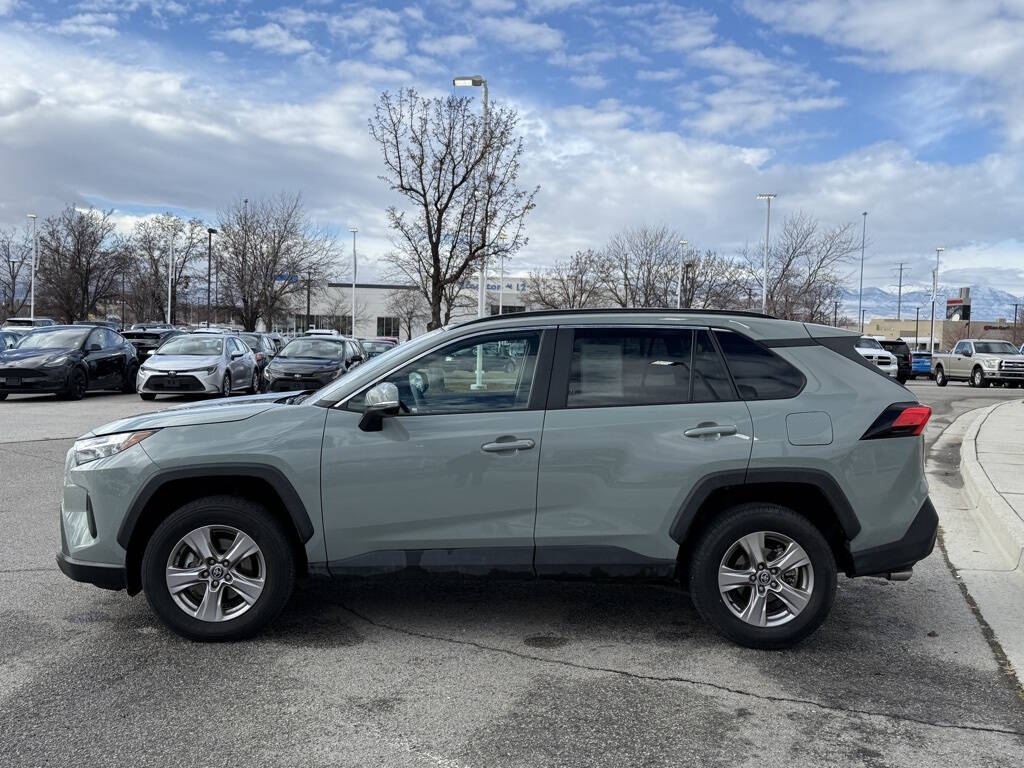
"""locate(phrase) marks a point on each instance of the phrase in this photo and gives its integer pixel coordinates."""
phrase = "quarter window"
(758, 372)
(470, 376)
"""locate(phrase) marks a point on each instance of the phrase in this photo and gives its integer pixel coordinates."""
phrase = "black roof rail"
(618, 310)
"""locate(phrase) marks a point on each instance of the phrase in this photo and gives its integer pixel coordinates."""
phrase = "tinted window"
(108, 339)
(629, 366)
(994, 348)
(461, 378)
(313, 348)
(866, 342)
(62, 337)
(192, 345)
(710, 377)
(759, 373)
(960, 348)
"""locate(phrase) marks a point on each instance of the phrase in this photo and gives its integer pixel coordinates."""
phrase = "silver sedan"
(200, 364)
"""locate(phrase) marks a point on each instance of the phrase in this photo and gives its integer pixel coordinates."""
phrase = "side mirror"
(968, 353)
(94, 348)
(381, 400)
(236, 355)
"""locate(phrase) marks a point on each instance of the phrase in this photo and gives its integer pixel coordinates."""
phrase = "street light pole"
(769, 196)
(478, 81)
(353, 230)
(35, 258)
(860, 294)
(210, 232)
(679, 283)
(170, 271)
(935, 293)
(917, 326)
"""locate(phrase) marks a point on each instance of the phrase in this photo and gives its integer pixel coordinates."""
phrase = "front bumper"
(34, 380)
(168, 382)
(916, 544)
(98, 574)
(288, 382)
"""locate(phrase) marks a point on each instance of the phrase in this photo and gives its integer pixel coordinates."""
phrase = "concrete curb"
(994, 513)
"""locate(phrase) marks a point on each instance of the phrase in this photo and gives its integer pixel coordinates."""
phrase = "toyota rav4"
(750, 458)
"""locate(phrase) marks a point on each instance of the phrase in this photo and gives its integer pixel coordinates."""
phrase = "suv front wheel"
(218, 568)
(763, 576)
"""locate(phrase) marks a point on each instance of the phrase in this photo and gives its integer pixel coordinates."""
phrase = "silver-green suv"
(750, 458)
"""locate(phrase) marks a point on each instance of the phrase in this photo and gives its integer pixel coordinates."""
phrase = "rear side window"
(758, 372)
(710, 377)
(629, 366)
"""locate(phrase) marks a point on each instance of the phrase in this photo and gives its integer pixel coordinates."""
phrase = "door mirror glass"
(94, 347)
(380, 401)
(968, 352)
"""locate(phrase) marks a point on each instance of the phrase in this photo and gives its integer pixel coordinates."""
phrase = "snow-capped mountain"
(987, 303)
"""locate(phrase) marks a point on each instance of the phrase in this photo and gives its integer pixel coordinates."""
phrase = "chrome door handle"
(504, 446)
(712, 430)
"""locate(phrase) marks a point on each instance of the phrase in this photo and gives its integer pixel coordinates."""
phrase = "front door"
(451, 482)
(637, 416)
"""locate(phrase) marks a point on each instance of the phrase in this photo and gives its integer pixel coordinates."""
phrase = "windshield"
(64, 337)
(994, 348)
(252, 340)
(192, 345)
(313, 348)
(867, 342)
(381, 362)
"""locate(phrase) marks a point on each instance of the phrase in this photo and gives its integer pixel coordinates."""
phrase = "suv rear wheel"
(763, 576)
(218, 568)
(940, 377)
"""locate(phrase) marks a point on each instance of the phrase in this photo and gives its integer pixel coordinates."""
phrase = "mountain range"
(987, 303)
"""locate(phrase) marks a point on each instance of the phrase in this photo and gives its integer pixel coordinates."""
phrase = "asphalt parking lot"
(461, 672)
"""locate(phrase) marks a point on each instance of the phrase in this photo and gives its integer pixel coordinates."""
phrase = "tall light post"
(170, 271)
(353, 230)
(769, 196)
(245, 255)
(478, 81)
(935, 293)
(35, 259)
(679, 282)
(501, 274)
(860, 294)
(210, 232)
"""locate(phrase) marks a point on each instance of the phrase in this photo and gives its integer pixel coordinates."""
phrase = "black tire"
(254, 387)
(225, 385)
(78, 384)
(978, 378)
(128, 385)
(901, 379)
(940, 377)
(256, 522)
(716, 540)
(3, 395)
(147, 395)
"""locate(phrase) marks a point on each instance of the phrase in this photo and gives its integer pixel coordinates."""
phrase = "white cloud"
(388, 48)
(521, 34)
(659, 75)
(270, 37)
(493, 6)
(96, 26)
(447, 44)
(589, 82)
(15, 98)
(6, 6)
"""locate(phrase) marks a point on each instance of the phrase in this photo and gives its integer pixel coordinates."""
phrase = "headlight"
(207, 370)
(56, 362)
(93, 448)
(989, 363)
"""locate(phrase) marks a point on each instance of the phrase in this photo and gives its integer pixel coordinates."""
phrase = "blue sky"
(657, 112)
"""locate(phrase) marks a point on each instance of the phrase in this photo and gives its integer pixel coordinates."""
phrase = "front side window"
(629, 366)
(470, 376)
(759, 373)
(961, 348)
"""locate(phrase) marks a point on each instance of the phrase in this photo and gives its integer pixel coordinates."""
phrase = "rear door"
(636, 417)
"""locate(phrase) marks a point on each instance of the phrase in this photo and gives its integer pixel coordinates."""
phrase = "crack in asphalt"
(683, 680)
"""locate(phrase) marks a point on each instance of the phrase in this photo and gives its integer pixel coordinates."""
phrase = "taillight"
(259, 357)
(899, 420)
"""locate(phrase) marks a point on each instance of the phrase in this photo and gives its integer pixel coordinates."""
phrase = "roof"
(549, 313)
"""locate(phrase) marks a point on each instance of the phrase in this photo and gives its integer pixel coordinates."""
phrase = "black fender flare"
(717, 481)
(293, 505)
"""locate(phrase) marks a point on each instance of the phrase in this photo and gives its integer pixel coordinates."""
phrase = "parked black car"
(68, 360)
(310, 362)
(900, 349)
(263, 347)
(145, 340)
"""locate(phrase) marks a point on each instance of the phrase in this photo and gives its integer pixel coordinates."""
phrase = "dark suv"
(901, 351)
(750, 458)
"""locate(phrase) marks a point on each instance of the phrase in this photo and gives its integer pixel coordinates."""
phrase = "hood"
(1000, 356)
(303, 364)
(30, 357)
(206, 412)
(181, 362)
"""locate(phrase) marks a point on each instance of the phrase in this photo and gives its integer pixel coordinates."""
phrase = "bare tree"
(711, 281)
(459, 173)
(79, 258)
(805, 268)
(16, 270)
(572, 283)
(409, 306)
(638, 267)
(269, 250)
(149, 249)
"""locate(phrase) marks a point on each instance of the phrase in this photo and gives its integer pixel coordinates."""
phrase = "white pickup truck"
(980, 362)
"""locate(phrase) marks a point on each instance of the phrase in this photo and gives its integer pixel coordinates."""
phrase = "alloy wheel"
(215, 573)
(766, 579)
